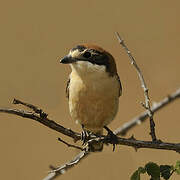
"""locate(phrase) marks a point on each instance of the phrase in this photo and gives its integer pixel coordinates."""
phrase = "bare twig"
(45, 121)
(77, 136)
(143, 84)
(149, 144)
(62, 169)
(140, 144)
(136, 144)
(143, 116)
(70, 145)
(34, 108)
(121, 141)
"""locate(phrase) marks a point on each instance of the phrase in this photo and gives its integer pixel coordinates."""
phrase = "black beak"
(67, 60)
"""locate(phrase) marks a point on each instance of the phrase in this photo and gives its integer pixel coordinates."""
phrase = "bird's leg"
(84, 135)
(111, 137)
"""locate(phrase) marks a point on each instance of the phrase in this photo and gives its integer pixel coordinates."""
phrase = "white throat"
(88, 70)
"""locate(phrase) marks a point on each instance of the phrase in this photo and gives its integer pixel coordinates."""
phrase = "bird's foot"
(85, 136)
(111, 137)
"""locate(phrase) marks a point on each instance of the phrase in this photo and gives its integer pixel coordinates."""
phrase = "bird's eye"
(87, 54)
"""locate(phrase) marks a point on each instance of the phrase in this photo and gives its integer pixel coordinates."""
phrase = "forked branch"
(121, 141)
(62, 169)
(144, 115)
(143, 84)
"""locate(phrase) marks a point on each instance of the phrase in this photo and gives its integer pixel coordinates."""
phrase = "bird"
(93, 88)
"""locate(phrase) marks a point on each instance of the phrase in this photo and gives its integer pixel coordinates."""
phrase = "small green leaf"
(177, 167)
(142, 170)
(135, 176)
(153, 170)
(165, 171)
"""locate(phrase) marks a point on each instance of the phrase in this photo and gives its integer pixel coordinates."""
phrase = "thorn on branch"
(135, 148)
(143, 105)
(132, 137)
(52, 167)
(111, 137)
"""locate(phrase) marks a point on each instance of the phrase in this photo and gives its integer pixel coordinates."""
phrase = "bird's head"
(87, 59)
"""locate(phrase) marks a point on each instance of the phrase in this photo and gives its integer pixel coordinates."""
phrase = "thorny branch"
(34, 108)
(70, 145)
(119, 131)
(62, 169)
(77, 136)
(143, 84)
(144, 115)
(121, 141)
(38, 115)
(136, 144)
(45, 121)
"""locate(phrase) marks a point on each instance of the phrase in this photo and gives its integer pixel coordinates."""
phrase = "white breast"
(93, 96)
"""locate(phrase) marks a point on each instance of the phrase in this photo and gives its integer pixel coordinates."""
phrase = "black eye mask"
(99, 59)
(93, 56)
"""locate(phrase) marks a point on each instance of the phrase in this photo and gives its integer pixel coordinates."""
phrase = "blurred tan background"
(34, 34)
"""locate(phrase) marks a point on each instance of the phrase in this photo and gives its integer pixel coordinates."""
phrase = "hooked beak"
(67, 60)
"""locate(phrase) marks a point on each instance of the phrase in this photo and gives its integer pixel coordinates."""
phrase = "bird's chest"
(92, 94)
(93, 102)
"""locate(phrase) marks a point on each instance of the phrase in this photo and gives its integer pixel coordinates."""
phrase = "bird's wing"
(120, 86)
(67, 88)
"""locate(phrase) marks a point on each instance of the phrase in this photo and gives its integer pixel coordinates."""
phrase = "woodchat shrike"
(93, 88)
